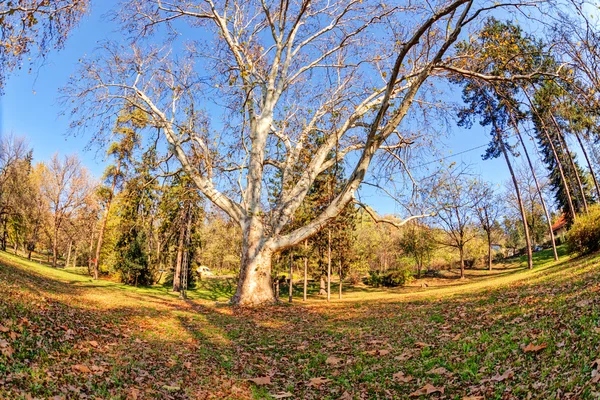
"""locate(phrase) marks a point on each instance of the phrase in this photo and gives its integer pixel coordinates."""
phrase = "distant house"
(559, 228)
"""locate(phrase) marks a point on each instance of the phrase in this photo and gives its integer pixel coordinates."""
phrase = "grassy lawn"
(505, 334)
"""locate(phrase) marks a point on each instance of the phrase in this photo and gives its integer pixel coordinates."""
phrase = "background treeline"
(142, 226)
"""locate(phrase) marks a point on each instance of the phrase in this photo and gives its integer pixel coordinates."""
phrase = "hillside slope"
(526, 334)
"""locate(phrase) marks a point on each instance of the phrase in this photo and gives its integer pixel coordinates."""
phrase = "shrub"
(374, 279)
(399, 277)
(584, 235)
(396, 278)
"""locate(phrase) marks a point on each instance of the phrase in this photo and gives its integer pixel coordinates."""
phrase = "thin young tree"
(487, 209)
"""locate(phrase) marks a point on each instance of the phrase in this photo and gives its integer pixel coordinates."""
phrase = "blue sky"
(30, 108)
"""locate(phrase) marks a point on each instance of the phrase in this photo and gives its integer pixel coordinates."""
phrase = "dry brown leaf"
(426, 390)
(133, 394)
(333, 360)
(93, 343)
(422, 344)
(473, 398)
(281, 395)
(439, 371)
(400, 377)
(381, 352)
(508, 374)
(345, 396)
(403, 357)
(583, 303)
(81, 368)
(532, 348)
(316, 382)
(4, 329)
(261, 380)
(6, 351)
(455, 338)
(595, 372)
(595, 376)
(187, 365)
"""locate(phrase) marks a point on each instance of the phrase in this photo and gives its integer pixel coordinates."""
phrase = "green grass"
(62, 334)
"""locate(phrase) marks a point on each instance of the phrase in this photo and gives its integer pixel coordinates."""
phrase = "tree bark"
(589, 164)
(489, 238)
(75, 257)
(340, 273)
(521, 207)
(556, 158)
(563, 143)
(305, 270)
(254, 285)
(55, 246)
(539, 190)
(90, 261)
(291, 287)
(329, 265)
(69, 253)
(462, 262)
(179, 258)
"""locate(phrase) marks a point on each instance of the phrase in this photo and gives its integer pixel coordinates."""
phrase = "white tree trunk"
(254, 284)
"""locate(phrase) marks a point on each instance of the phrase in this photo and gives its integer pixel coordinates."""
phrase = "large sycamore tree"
(259, 88)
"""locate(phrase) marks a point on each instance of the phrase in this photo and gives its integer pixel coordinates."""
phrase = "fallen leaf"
(455, 338)
(316, 382)
(261, 380)
(506, 375)
(345, 396)
(81, 368)
(187, 365)
(439, 371)
(333, 360)
(7, 351)
(4, 329)
(583, 303)
(473, 398)
(427, 389)
(133, 394)
(595, 371)
(381, 352)
(595, 376)
(171, 388)
(93, 343)
(532, 348)
(400, 377)
(281, 395)
(403, 357)
(422, 344)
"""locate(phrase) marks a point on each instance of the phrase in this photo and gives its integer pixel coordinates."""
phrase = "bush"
(374, 279)
(394, 278)
(584, 235)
